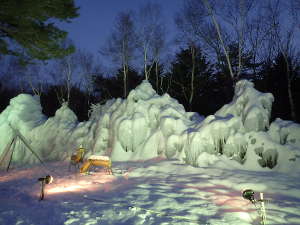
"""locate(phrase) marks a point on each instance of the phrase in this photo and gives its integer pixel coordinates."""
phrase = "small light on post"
(44, 180)
(249, 195)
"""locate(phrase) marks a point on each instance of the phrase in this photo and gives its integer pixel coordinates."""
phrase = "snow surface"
(151, 192)
(234, 149)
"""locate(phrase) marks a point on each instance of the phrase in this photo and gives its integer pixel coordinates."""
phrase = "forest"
(216, 44)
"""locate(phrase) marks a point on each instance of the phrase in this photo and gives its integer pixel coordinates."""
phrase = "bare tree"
(35, 80)
(13, 73)
(151, 32)
(23, 77)
(283, 35)
(257, 37)
(122, 44)
(294, 9)
(189, 24)
(196, 28)
(63, 71)
(216, 25)
(212, 14)
(192, 25)
(236, 13)
(88, 70)
(158, 45)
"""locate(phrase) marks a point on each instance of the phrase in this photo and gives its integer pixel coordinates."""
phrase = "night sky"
(97, 18)
(91, 29)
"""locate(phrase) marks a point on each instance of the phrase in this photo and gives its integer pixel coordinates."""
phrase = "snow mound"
(252, 106)
(139, 127)
(240, 131)
(131, 129)
(285, 132)
(147, 125)
(271, 154)
(23, 111)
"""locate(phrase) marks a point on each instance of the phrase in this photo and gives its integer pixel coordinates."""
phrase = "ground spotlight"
(249, 195)
(44, 180)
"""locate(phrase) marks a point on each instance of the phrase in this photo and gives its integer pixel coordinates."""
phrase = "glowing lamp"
(249, 195)
(47, 179)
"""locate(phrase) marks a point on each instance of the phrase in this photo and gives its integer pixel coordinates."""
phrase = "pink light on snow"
(83, 184)
(230, 201)
(222, 195)
(15, 174)
(69, 188)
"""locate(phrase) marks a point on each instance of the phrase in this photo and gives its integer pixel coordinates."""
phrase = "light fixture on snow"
(44, 180)
(249, 195)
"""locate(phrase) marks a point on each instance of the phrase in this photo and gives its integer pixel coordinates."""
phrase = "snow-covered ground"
(156, 142)
(152, 192)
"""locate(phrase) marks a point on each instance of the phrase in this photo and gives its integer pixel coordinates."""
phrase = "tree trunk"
(145, 63)
(125, 68)
(69, 71)
(292, 105)
(212, 15)
(289, 85)
(125, 80)
(156, 75)
(193, 53)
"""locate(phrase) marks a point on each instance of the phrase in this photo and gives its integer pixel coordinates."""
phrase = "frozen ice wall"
(140, 126)
(250, 105)
(131, 129)
(24, 113)
(241, 131)
(147, 125)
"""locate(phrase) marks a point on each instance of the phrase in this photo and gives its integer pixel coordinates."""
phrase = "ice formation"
(146, 125)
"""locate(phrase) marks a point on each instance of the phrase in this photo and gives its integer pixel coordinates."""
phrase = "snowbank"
(146, 125)
(241, 131)
(250, 105)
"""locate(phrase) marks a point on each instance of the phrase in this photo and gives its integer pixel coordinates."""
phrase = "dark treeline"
(212, 88)
(217, 45)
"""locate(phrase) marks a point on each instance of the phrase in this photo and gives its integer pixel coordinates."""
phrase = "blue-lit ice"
(178, 167)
